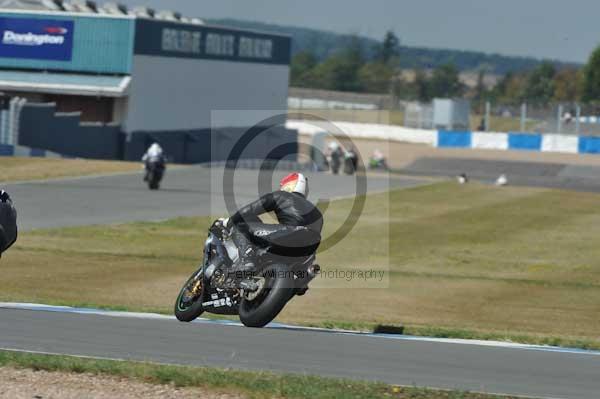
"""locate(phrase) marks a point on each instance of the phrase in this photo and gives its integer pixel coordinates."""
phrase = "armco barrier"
(489, 141)
(365, 131)
(204, 145)
(560, 143)
(454, 139)
(449, 139)
(589, 145)
(524, 141)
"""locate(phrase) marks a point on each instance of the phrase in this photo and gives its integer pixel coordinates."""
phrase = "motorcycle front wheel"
(277, 291)
(189, 301)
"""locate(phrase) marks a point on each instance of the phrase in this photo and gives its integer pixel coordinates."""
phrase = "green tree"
(301, 69)
(509, 89)
(376, 77)
(390, 48)
(539, 87)
(341, 70)
(591, 78)
(567, 85)
(445, 82)
(422, 87)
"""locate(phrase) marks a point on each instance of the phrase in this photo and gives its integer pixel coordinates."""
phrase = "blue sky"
(559, 29)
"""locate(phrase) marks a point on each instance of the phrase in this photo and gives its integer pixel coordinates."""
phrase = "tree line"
(322, 44)
(351, 70)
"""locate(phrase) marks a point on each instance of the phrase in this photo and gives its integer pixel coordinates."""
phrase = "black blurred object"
(336, 160)
(155, 170)
(481, 127)
(350, 162)
(4, 101)
(8, 222)
(388, 329)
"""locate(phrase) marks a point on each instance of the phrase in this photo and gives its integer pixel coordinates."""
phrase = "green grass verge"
(23, 168)
(252, 384)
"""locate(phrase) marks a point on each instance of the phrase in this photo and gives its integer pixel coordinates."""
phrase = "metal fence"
(563, 118)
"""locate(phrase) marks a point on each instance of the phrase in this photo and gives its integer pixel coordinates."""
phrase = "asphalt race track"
(187, 191)
(519, 173)
(474, 366)
(488, 367)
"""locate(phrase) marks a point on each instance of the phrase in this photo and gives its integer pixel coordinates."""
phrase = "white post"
(559, 119)
(577, 122)
(523, 116)
(488, 107)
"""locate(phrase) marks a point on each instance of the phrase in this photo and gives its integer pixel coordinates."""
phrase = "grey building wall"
(41, 127)
(170, 93)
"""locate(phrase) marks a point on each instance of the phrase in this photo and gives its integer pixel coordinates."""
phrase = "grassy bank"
(18, 169)
(250, 384)
(471, 261)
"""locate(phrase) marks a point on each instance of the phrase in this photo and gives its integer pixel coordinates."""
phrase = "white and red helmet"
(295, 183)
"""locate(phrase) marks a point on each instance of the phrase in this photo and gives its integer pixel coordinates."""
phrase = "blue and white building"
(142, 71)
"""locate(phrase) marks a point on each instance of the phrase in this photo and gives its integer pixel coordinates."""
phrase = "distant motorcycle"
(335, 161)
(155, 170)
(258, 300)
(350, 162)
(378, 163)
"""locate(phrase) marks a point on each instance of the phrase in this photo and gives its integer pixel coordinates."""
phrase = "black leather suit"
(297, 234)
(8, 222)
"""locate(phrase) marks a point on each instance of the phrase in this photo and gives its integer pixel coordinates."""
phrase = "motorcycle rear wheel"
(278, 290)
(187, 311)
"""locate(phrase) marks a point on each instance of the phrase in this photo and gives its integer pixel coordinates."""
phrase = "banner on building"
(32, 38)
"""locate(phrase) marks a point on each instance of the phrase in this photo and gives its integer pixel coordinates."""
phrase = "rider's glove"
(219, 228)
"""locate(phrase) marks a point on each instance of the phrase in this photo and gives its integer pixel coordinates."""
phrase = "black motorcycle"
(258, 299)
(155, 171)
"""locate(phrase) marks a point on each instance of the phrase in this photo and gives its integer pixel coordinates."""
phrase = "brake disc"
(252, 295)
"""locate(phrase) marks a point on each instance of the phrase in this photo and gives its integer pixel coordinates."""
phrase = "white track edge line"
(156, 316)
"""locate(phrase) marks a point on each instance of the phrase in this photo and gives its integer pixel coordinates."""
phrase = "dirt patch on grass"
(19, 169)
(28, 384)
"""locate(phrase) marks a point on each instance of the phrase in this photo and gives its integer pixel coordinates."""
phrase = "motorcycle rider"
(298, 233)
(154, 155)
(8, 222)
(335, 157)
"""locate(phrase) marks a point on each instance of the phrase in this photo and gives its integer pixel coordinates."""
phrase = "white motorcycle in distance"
(155, 165)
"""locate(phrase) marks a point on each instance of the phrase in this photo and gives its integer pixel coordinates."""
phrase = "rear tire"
(153, 180)
(278, 290)
(188, 312)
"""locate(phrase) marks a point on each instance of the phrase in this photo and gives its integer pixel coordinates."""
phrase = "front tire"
(278, 290)
(187, 310)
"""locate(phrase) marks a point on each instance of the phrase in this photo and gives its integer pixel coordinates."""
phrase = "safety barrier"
(454, 139)
(9, 150)
(193, 147)
(517, 141)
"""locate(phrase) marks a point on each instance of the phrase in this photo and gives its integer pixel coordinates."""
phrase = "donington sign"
(33, 38)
